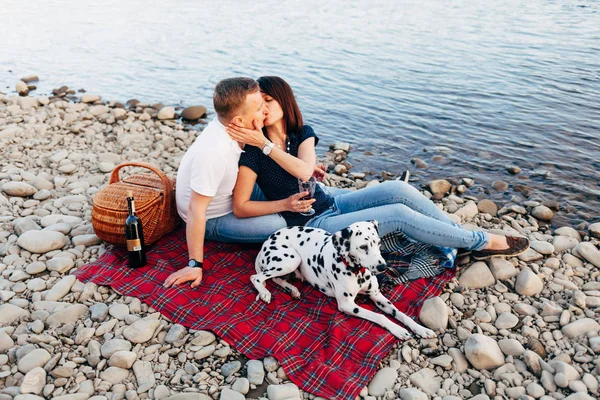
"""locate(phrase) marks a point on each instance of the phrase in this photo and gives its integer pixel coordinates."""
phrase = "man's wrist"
(193, 263)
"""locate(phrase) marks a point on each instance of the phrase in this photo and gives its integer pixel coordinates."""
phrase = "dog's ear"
(346, 233)
(376, 225)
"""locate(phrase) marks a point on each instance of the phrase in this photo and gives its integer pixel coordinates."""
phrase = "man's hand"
(253, 137)
(185, 275)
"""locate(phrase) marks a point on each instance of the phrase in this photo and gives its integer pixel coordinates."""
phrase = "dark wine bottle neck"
(131, 206)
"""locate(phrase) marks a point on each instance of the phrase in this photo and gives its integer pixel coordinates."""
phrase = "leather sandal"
(516, 245)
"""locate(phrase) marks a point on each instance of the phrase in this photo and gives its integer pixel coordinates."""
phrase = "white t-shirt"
(209, 168)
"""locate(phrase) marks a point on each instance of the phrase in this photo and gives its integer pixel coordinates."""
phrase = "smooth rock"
(580, 327)
(42, 241)
(501, 268)
(483, 352)
(287, 391)
(112, 346)
(528, 283)
(439, 186)
(530, 255)
(487, 206)
(412, 394)
(594, 230)
(10, 314)
(61, 288)
(229, 394)
(542, 213)
(114, 375)
(60, 264)
(241, 385)
(542, 247)
(6, 342)
(35, 358)
(434, 314)
(18, 189)
(141, 331)
(589, 252)
(511, 347)
(69, 315)
(193, 113)
(144, 376)
(122, 359)
(86, 240)
(230, 368)
(255, 372)
(468, 211)
(427, 380)
(166, 113)
(506, 320)
(562, 243)
(477, 276)
(383, 381)
(34, 381)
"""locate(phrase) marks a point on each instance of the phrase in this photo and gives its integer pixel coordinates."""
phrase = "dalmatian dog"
(340, 265)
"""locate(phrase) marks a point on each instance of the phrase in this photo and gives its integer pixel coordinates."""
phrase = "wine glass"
(307, 184)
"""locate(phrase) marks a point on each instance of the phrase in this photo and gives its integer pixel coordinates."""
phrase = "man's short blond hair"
(230, 95)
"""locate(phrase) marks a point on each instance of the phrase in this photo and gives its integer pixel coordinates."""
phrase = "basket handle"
(114, 176)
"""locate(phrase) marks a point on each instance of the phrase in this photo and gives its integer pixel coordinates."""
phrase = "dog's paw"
(264, 296)
(295, 293)
(401, 333)
(424, 333)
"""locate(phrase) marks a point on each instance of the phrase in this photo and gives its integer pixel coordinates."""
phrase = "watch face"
(192, 263)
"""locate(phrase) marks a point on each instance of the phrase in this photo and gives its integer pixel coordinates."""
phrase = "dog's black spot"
(355, 310)
(299, 236)
(315, 271)
(285, 254)
(345, 294)
(267, 274)
(314, 257)
(393, 312)
(330, 285)
(268, 260)
(277, 259)
(369, 288)
(335, 276)
(301, 228)
(285, 246)
(276, 234)
(346, 233)
(307, 239)
(302, 243)
(308, 230)
(273, 248)
(338, 259)
(307, 261)
(279, 269)
(267, 253)
(287, 237)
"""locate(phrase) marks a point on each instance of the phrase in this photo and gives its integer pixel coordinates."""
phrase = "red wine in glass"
(307, 184)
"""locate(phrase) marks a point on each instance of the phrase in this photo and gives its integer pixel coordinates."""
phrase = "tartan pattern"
(322, 350)
(408, 260)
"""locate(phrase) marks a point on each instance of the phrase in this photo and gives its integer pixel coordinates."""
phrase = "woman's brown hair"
(282, 92)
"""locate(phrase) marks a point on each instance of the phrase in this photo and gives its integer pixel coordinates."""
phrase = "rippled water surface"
(482, 84)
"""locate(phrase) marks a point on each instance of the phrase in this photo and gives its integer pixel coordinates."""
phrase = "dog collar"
(361, 270)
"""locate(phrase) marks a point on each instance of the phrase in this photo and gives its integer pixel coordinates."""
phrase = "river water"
(468, 87)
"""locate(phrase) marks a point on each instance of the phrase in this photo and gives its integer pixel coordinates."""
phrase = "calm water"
(484, 84)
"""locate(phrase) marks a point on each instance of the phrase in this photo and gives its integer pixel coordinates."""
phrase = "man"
(207, 176)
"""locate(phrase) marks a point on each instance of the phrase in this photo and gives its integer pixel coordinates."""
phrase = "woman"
(285, 151)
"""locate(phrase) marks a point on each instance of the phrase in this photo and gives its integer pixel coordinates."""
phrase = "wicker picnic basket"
(154, 196)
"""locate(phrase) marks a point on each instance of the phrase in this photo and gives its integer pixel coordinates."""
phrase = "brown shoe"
(516, 245)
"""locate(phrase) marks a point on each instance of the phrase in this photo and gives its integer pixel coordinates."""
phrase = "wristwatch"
(267, 147)
(194, 264)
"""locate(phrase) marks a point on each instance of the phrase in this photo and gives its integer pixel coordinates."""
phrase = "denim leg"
(391, 192)
(229, 229)
(398, 217)
(334, 191)
(257, 194)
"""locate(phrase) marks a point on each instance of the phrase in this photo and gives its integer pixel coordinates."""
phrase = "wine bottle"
(135, 236)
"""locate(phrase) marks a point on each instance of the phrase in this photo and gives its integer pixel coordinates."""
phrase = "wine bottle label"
(134, 245)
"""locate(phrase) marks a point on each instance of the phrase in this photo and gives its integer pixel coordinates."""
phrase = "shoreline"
(539, 312)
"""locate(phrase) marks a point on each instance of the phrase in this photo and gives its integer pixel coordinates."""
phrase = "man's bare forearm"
(195, 232)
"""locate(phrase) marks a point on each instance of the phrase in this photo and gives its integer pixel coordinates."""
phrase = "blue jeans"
(230, 229)
(398, 206)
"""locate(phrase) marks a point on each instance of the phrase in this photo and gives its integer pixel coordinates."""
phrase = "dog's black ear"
(346, 233)
(376, 225)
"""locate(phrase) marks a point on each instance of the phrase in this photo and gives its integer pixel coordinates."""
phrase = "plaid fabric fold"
(322, 350)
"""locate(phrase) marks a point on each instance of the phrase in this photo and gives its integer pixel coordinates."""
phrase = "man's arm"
(195, 231)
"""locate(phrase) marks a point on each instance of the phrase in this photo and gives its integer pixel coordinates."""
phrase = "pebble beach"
(520, 328)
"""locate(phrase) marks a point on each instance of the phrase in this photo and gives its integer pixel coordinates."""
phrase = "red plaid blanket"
(322, 350)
